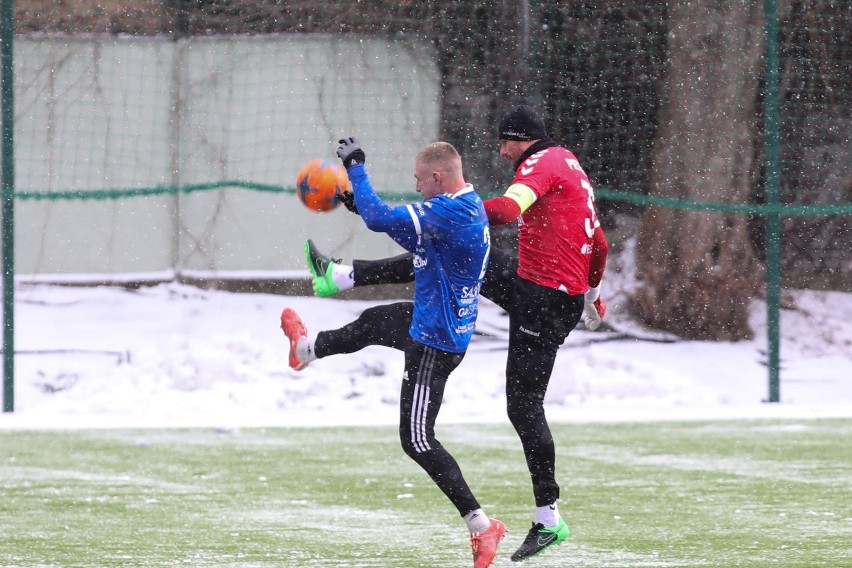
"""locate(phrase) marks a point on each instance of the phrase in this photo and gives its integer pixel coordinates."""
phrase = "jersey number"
(591, 222)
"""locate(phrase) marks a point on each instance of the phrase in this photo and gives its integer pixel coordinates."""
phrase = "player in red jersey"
(554, 281)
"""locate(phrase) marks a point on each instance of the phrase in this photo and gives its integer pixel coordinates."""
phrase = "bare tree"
(698, 269)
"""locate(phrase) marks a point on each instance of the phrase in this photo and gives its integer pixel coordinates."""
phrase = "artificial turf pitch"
(710, 494)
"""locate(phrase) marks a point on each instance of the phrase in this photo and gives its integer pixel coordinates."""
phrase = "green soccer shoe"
(321, 268)
(539, 538)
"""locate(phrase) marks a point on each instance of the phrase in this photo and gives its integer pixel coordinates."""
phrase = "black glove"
(350, 152)
(347, 198)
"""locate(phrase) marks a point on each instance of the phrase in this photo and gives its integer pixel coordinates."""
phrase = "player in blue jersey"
(563, 253)
(448, 235)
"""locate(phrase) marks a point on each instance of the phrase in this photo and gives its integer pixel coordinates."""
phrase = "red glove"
(600, 306)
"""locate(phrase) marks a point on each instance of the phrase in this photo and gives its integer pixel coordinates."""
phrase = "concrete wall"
(113, 113)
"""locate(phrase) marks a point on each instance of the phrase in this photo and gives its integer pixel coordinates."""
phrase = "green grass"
(717, 494)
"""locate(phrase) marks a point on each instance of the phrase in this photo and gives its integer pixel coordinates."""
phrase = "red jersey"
(555, 234)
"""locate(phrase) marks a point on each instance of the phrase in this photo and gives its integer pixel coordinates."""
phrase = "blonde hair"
(441, 155)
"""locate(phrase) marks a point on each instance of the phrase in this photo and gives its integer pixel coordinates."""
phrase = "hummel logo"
(545, 540)
(533, 333)
(526, 171)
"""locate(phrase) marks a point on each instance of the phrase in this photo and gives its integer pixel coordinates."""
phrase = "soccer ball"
(318, 184)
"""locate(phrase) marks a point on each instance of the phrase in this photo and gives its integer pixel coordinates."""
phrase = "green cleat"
(321, 268)
(540, 538)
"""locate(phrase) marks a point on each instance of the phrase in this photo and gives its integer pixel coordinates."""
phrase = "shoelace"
(323, 263)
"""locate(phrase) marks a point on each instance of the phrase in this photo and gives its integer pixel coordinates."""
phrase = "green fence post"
(773, 219)
(8, 180)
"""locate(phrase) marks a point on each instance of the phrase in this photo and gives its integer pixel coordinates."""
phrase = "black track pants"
(385, 325)
(539, 321)
(426, 373)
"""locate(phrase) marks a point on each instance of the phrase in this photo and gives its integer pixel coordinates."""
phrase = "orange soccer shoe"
(484, 544)
(294, 329)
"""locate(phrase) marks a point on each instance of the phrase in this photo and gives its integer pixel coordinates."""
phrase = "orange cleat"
(294, 329)
(484, 544)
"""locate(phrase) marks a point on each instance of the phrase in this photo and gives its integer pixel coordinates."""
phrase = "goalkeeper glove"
(594, 309)
(350, 152)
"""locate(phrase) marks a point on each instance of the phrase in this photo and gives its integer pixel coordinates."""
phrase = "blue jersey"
(449, 237)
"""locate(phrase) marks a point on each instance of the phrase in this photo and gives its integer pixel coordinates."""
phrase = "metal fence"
(594, 68)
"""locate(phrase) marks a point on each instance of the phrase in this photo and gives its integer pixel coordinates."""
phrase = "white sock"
(547, 515)
(343, 275)
(477, 521)
(305, 350)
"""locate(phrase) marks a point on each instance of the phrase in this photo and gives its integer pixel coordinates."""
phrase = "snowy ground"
(175, 355)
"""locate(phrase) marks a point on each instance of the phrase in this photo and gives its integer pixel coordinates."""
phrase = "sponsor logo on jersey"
(470, 310)
(463, 329)
(469, 293)
(529, 163)
(529, 332)
(420, 262)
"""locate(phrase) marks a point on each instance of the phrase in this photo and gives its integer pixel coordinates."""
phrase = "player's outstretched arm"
(509, 206)
(377, 215)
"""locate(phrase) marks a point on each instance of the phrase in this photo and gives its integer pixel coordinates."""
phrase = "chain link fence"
(595, 69)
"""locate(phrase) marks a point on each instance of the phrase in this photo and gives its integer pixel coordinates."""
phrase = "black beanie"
(522, 123)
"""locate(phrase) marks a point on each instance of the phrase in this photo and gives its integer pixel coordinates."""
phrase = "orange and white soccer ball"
(318, 184)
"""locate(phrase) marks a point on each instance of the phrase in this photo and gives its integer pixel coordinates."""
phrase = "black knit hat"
(522, 123)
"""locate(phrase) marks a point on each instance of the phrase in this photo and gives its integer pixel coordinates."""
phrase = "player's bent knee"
(415, 447)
